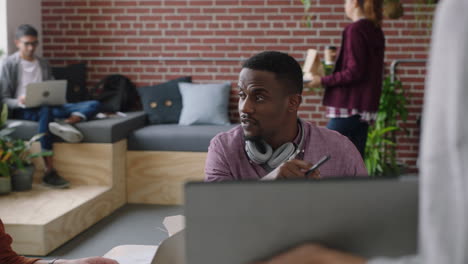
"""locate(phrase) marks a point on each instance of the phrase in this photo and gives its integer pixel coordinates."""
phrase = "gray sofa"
(159, 158)
(108, 130)
(141, 137)
(172, 137)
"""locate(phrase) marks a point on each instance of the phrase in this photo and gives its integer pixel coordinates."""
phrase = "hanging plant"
(307, 17)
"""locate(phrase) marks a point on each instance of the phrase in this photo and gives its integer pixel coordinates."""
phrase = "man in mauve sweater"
(271, 142)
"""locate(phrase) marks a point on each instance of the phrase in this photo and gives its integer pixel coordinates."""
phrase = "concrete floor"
(130, 225)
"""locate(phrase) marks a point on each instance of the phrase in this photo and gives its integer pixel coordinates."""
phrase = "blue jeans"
(46, 114)
(353, 128)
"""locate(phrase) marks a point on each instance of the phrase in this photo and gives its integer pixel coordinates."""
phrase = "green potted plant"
(22, 169)
(380, 157)
(15, 155)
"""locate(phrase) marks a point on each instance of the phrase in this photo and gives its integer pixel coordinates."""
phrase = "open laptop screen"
(240, 222)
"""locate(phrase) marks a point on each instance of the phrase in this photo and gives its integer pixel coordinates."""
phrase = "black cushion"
(75, 74)
(163, 102)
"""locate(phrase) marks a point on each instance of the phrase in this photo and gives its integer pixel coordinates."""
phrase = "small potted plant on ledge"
(22, 169)
(15, 156)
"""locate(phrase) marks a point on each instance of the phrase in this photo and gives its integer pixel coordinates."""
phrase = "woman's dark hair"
(372, 10)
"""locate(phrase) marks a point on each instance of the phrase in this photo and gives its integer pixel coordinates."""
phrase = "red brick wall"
(230, 29)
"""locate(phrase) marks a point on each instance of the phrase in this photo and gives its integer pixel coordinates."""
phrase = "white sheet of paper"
(174, 224)
(132, 254)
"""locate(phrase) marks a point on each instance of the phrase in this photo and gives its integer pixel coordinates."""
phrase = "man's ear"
(295, 101)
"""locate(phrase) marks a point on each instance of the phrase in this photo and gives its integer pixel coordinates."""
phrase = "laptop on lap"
(46, 93)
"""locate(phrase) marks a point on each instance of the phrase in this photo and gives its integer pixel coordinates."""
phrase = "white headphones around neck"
(261, 153)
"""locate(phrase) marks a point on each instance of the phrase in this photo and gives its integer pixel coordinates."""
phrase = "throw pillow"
(163, 102)
(204, 103)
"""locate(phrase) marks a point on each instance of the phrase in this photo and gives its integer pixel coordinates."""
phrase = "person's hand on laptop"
(314, 254)
(292, 169)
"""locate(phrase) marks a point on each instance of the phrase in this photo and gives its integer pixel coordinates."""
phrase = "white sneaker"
(66, 131)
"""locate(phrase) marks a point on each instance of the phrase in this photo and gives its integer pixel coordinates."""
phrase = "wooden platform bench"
(161, 158)
(42, 219)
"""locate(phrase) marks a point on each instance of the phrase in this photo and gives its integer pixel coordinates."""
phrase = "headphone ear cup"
(281, 155)
(255, 155)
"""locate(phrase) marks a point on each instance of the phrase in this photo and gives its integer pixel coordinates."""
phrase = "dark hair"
(285, 68)
(372, 10)
(26, 30)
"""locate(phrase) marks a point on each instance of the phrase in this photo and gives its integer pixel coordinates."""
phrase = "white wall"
(23, 12)
(3, 27)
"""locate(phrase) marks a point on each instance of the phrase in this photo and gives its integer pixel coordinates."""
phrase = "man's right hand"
(292, 169)
(314, 254)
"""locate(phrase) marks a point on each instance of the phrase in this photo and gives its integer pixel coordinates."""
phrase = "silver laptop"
(241, 222)
(46, 93)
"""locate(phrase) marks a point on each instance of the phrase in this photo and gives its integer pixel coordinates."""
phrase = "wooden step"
(42, 219)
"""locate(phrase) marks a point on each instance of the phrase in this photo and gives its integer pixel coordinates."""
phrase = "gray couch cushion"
(111, 129)
(172, 137)
(26, 130)
(95, 131)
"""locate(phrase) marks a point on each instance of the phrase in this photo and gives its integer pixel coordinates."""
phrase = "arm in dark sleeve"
(354, 65)
(5, 87)
(216, 166)
(7, 255)
(49, 71)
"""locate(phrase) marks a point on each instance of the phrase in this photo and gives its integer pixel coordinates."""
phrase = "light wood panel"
(43, 219)
(28, 214)
(157, 177)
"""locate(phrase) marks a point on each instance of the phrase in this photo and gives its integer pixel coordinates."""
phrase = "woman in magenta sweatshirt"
(352, 91)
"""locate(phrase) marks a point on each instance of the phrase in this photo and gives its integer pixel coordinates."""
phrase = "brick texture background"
(223, 32)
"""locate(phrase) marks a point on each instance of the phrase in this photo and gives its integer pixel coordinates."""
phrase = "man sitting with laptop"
(271, 141)
(18, 72)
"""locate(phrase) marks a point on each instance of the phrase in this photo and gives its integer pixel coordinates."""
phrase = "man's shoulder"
(229, 136)
(323, 131)
(12, 59)
(327, 136)
(346, 158)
